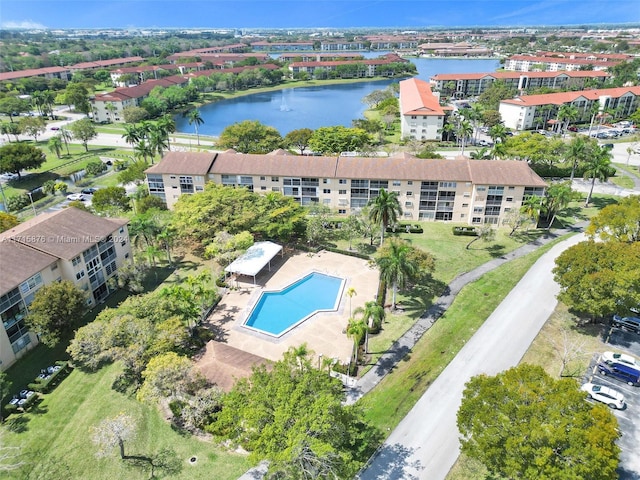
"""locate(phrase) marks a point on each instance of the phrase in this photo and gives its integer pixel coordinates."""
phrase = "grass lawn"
(56, 437)
(396, 394)
(623, 181)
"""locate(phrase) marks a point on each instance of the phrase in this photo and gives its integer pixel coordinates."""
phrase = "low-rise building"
(528, 63)
(421, 115)
(536, 111)
(69, 245)
(463, 85)
(462, 190)
(373, 67)
(63, 73)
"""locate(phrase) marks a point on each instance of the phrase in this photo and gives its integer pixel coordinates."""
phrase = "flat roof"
(254, 259)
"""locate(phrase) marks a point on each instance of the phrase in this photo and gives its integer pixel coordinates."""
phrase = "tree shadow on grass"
(18, 423)
(496, 251)
(420, 297)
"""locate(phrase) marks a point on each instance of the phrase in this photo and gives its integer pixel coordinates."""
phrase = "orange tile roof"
(561, 98)
(416, 98)
(184, 163)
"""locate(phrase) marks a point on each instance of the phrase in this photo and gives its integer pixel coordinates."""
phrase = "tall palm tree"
(168, 126)
(143, 150)
(594, 109)
(356, 330)
(566, 115)
(384, 210)
(158, 141)
(463, 131)
(66, 137)
(598, 168)
(498, 132)
(55, 145)
(166, 238)
(372, 313)
(351, 292)
(558, 197)
(448, 128)
(196, 120)
(132, 134)
(396, 265)
(476, 115)
(531, 207)
(577, 153)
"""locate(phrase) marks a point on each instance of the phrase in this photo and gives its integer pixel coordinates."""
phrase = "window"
(409, 194)
(509, 199)
(448, 184)
(465, 204)
(123, 243)
(326, 190)
(275, 189)
(275, 179)
(476, 220)
(80, 275)
(477, 209)
(466, 194)
(325, 181)
(482, 189)
(263, 188)
(409, 182)
(396, 183)
(263, 178)
(342, 192)
(408, 204)
(342, 211)
(54, 267)
(342, 181)
(76, 261)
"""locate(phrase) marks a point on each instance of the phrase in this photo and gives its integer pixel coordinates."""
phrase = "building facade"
(536, 111)
(467, 191)
(461, 85)
(69, 245)
(421, 115)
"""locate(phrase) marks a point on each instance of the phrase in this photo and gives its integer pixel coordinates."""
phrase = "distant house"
(536, 111)
(70, 244)
(104, 64)
(108, 107)
(63, 73)
(421, 115)
(463, 85)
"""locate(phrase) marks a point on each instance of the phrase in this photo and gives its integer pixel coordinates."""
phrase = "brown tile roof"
(274, 165)
(63, 234)
(106, 63)
(571, 61)
(561, 98)
(497, 172)
(416, 98)
(184, 163)
(32, 72)
(127, 93)
(19, 263)
(403, 167)
(511, 74)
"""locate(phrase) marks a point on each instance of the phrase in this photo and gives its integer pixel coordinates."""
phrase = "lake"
(318, 106)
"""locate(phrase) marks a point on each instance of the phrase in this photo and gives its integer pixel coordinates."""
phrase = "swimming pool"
(277, 312)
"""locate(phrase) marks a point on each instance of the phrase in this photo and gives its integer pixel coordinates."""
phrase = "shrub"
(17, 202)
(469, 231)
(95, 168)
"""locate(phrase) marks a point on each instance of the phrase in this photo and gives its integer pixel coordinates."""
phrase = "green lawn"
(396, 394)
(56, 437)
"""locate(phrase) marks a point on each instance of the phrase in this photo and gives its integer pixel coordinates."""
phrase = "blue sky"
(312, 13)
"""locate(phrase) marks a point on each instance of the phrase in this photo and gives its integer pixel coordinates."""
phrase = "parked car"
(55, 128)
(89, 191)
(74, 197)
(572, 128)
(607, 146)
(621, 372)
(9, 176)
(631, 324)
(611, 357)
(603, 394)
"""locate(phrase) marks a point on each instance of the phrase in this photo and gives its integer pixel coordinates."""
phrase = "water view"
(318, 106)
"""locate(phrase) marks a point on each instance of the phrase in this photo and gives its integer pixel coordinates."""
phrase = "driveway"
(425, 444)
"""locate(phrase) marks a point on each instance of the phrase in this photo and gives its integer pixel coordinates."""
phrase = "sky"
(312, 13)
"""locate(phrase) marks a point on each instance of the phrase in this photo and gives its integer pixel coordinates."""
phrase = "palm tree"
(351, 292)
(372, 313)
(448, 128)
(578, 152)
(559, 196)
(594, 109)
(167, 237)
(158, 141)
(143, 150)
(531, 207)
(66, 137)
(463, 131)
(152, 252)
(566, 114)
(598, 167)
(476, 115)
(132, 134)
(356, 329)
(55, 145)
(481, 154)
(498, 132)
(196, 120)
(168, 126)
(384, 210)
(396, 266)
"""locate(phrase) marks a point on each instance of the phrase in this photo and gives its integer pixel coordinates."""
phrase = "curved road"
(425, 444)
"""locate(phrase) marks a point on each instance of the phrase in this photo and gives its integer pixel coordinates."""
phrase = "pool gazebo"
(257, 256)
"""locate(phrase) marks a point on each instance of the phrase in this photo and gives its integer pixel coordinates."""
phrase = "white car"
(603, 394)
(623, 358)
(76, 197)
(9, 176)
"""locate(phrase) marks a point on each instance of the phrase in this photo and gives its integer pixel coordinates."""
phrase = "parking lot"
(628, 418)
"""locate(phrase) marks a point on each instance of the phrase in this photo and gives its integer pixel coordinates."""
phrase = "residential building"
(372, 67)
(527, 63)
(462, 49)
(463, 85)
(70, 244)
(467, 191)
(105, 64)
(421, 115)
(63, 73)
(281, 46)
(537, 111)
(144, 72)
(108, 107)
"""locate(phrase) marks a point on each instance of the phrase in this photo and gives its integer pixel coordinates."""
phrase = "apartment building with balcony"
(464, 191)
(526, 112)
(421, 115)
(70, 244)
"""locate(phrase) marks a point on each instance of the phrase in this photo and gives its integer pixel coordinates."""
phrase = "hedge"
(469, 231)
(45, 385)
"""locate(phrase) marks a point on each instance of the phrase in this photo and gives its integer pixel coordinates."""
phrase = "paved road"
(425, 444)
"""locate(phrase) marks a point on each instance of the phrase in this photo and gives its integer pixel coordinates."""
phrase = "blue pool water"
(278, 311)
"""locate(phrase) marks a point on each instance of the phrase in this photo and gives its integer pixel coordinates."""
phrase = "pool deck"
(323, 332)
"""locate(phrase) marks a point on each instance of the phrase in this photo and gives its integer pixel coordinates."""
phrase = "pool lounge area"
(322, 331)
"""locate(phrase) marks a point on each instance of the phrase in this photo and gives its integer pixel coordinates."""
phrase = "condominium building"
(69, 245)
(421, 115)
(527, 63)
(463, 85)
(536, 111)
(462, 190)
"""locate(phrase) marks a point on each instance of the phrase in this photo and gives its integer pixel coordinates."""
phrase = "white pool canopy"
(254, 259)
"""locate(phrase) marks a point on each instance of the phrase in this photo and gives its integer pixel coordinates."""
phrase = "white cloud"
(23, 25)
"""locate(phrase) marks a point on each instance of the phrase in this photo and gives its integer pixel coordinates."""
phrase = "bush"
(469, 231)
(95, 168)
(46, 384)
(404, 228)
(17, 202)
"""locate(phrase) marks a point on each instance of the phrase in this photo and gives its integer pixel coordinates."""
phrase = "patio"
(323, 332)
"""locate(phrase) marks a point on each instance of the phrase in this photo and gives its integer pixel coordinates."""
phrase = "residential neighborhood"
(278, 251)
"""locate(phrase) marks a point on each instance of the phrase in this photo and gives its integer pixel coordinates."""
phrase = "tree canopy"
(55, 309)
(524, 424)
(333, 140)
(292, 414)
(110, 200)
(84, 130)
(15, 157)
(620, 221)
(250, 136)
